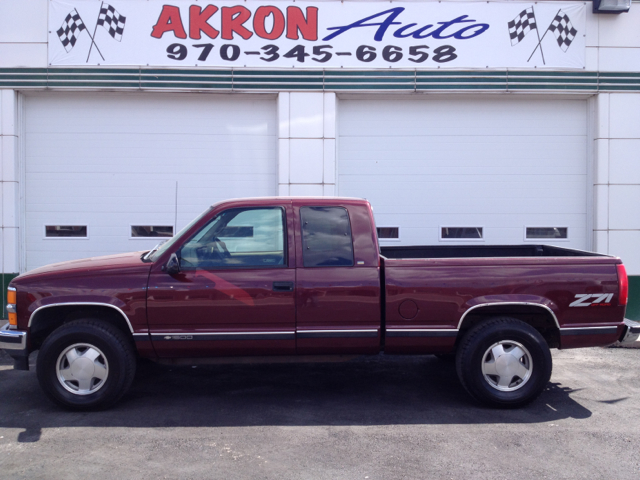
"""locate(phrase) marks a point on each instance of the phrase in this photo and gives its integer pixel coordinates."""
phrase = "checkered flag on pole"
(521, 25)
(563, 30)
(112, 21)
(70, 30)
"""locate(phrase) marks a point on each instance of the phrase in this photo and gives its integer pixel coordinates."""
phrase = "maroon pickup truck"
(275, 278)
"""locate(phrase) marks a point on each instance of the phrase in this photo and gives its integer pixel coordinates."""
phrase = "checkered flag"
(521, 25)
(112, 21)
(563, 30)
(70, 30)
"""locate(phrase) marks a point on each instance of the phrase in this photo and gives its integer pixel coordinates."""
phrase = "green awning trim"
(316, 80)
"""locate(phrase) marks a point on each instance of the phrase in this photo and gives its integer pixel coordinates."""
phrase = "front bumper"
(631, 332)
(15, 344)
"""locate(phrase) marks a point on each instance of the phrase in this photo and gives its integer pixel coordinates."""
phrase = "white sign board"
(188, 33)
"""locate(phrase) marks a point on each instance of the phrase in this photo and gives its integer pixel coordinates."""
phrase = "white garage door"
(508, 170)
(111, 162)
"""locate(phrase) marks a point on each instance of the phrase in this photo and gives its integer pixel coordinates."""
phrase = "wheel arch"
(537, 315)
(45, 319)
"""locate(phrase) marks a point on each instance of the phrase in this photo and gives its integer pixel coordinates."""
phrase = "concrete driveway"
(377, 418)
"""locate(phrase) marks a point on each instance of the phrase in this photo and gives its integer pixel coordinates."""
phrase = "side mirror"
(173, 265)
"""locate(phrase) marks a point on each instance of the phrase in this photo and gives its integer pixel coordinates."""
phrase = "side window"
(239, 237)
(326, 237)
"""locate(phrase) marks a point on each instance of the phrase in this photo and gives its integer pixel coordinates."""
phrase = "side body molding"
(95, 304)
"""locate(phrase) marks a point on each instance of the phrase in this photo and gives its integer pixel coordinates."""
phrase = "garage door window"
(388, 233)
(146, 231)
(65, 231)
(546, 233)
(461, 233)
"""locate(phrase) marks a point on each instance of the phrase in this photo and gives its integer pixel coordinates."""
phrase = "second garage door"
(445, 170)
(104, 171)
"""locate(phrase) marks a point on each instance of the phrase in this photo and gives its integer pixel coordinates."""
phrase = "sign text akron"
(271, 23)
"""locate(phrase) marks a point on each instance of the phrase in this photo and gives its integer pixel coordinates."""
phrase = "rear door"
(337, 284)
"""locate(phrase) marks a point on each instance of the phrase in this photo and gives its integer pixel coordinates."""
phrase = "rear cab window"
(326, 237)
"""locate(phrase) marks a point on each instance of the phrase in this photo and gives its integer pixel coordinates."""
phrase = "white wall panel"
(112, 160)
(601, 242)
(618, 59)
(624, 111)
(592, 59)
(306, 115)
(7, 112)
(500, 163)
(623, 200)
(592, 29)
(625, 161)
(9, 248)
(601, 195)
(602, 162)
(302, 190)
(620, 30)
(23, 21)
(624, 244)
(309, 165)
(9, 202)
(27, 55)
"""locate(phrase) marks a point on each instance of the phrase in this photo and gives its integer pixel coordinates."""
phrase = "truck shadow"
(366, 391)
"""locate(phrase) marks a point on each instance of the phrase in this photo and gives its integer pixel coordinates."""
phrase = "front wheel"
(504, 362)
(86, 364)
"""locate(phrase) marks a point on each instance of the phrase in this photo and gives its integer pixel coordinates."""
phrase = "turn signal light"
(623, 281)
(11, 306)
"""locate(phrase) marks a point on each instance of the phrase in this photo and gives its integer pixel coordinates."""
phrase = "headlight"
(11, 306)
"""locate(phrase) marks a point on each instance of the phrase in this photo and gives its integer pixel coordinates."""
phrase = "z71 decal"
(592, 300)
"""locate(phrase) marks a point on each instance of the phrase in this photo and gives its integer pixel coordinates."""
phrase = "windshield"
(169, 243)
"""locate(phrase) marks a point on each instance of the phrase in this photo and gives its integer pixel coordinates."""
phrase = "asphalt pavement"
(370, 418)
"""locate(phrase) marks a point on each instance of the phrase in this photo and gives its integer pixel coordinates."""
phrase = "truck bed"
(482, 251)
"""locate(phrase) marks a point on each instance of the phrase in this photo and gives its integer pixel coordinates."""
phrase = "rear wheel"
(86, 364)
(504, 363)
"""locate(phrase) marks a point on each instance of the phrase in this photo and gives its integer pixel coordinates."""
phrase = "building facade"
(462, 122)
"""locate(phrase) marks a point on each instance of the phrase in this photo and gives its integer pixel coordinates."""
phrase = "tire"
(86, 365)
(519, 377)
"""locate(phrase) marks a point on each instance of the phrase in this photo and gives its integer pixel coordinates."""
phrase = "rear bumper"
(630, 333)
(15, 344)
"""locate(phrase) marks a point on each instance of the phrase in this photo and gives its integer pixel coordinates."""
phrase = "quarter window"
(238, 238)
(326, 237)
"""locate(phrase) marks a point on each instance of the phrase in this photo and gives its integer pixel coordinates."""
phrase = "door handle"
(283, 286)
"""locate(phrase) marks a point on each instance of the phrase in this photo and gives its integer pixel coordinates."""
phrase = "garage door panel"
(121, 160)
(500, 163)
(454, 117)
(432, 157)
(440, 190)
(234, 155)
(137, 114)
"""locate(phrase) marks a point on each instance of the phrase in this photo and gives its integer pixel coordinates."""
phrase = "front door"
(234, 294)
